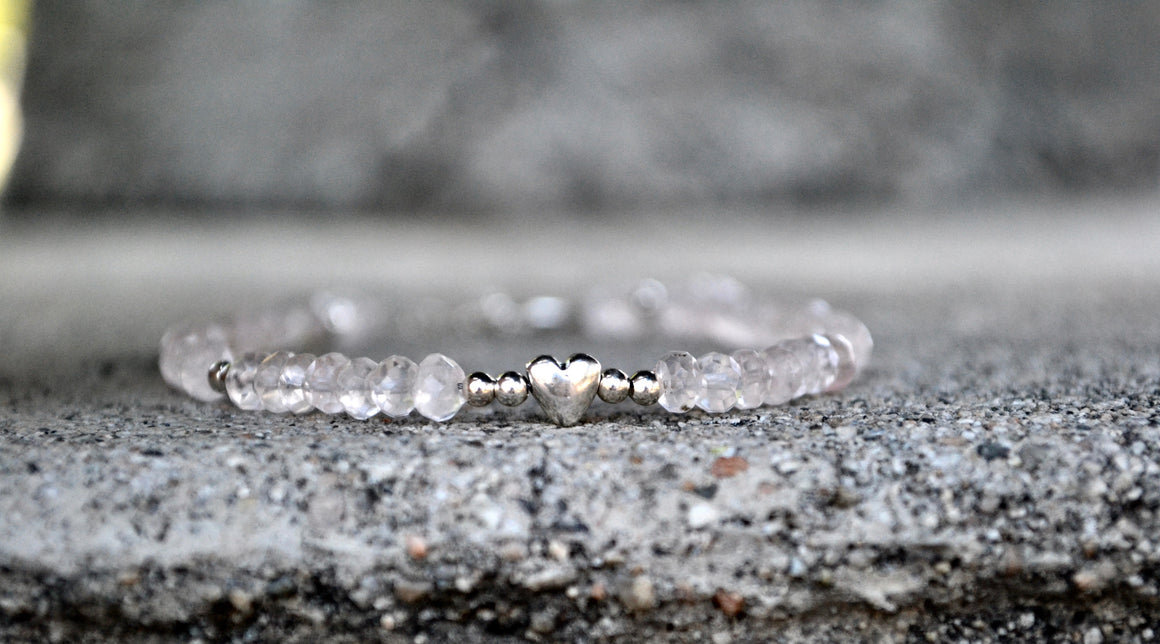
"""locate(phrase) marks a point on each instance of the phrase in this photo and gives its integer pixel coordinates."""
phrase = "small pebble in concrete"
(728, 466)
(730, 603)
(991, 450)
(639, 594)
(412, 591)
(701, 515)
(598, 592)
(416, 547)
(241, 601)
(558, 550)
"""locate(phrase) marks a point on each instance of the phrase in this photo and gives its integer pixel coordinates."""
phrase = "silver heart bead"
(564, 391)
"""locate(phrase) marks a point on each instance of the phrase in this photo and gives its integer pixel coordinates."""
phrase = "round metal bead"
(646, 389)
(614, 386)
(511, 389)
(480, 389)
(217, 375)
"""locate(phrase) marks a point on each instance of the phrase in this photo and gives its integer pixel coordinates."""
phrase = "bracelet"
(808, 350)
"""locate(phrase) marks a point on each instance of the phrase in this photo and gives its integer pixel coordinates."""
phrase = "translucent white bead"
(753, 388)
(680, 380)
(855, 332)
(187, 353)
(682, 320)
(240, 382)
(266, 381)
(720, 378)
(719, 291)
(609, 317)
(547, 312)
(392, 385)
(785, 374)
(439, 387)
(291, 383)
(803, 350)
(819, 363)
(169, 360)
(321, 385)
(825, 363)
(355, 389)
(847, 367)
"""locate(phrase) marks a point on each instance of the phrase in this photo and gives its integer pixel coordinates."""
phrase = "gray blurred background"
(510, 106)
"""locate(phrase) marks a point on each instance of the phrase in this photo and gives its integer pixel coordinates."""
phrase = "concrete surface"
(995, 475)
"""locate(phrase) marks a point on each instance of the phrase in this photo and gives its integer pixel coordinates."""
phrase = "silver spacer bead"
(217, 376)
(511, 389)
(646, 389)
(480, 389)
(614, 386)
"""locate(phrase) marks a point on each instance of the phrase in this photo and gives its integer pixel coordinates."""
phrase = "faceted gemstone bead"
(266, 381)
(169, 361)
(855, 332)
(354, 388)
(825, 363)
(847, 368)
(803, 350)
(291, 383)
(753, 387)
(819, 363)
(187, 353)
(720, 378)
(439, 387)
(321, 384)
(240, 382)
(680, 380)
(392, 385)
(784, 372)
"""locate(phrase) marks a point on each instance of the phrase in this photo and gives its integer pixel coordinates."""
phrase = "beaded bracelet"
(808, 350)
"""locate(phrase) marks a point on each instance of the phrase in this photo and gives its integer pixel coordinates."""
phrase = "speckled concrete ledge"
(995, 475)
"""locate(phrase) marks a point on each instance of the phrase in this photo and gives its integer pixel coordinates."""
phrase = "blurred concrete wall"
(581, 105)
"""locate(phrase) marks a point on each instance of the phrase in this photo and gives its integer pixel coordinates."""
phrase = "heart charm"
(564, 391)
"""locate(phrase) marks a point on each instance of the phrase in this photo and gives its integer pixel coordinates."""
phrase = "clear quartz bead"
(188, 353)
(392, 386)
(680, 380)
(855, 332)
(439, 387)
(291, 383)
(169, 360)
(240, 382)
(784, 372)
(321, 384)
(753, 387)
(803, 350)
(266, 381)
(825, 363)
(720, 378)
(354, 388)
(847, 368)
